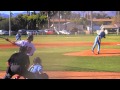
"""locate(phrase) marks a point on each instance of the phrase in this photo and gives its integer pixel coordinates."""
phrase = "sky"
(7, 12)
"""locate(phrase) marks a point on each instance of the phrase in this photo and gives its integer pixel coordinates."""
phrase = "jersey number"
(29, 49)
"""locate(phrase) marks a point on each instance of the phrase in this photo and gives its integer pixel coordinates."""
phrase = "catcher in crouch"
(37, 69)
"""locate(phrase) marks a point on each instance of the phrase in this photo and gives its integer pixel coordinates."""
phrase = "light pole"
(48, 20)
(10, 23)
(92, 22)
(28, 14)
(65, 22)
(59, 19)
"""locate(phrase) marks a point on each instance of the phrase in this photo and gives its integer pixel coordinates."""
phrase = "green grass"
(53, 58)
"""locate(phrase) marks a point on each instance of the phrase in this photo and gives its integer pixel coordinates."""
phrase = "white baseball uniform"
(30, 46)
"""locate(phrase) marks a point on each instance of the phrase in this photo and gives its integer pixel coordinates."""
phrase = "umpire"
(18, 63)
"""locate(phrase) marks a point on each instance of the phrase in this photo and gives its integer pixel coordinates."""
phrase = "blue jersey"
(98, 41)
(36, 68)
(100, 36)
(18, 35)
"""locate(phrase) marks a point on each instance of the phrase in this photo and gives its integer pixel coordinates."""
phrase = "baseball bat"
(7, 39)
(3, 37)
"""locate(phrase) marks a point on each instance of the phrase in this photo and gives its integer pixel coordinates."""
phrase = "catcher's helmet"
(30, 37)
(37, 60)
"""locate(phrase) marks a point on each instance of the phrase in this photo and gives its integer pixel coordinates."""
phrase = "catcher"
(37, 69)
(18, 63)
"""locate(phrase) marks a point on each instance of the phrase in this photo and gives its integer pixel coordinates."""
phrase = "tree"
(65, 14)
(25, 17)
(4, 24)
(117, 18)
(31, 20)
(21, 21)
(75, 15)
(100, 15)
(1, 18)
(41, 20)
(50, 14)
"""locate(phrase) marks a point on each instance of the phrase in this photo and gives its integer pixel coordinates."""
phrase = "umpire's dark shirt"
(19, 59)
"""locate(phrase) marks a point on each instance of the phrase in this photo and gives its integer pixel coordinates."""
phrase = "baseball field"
(70, 56)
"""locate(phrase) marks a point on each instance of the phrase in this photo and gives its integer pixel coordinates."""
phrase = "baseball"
(15, 51)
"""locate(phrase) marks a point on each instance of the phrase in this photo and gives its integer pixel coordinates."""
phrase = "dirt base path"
(77, 75)
(103, 52)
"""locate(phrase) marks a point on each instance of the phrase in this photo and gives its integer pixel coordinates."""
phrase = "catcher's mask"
(37, 60)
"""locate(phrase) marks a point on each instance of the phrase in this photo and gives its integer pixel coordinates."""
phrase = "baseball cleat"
(98, 53)
(92, 51)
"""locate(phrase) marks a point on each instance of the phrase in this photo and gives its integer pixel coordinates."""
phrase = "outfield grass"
(53, 58)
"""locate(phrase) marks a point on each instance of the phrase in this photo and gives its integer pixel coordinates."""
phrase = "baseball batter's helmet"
(37, 60)
(30, 37)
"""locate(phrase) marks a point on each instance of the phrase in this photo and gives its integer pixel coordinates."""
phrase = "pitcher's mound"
(103, 52)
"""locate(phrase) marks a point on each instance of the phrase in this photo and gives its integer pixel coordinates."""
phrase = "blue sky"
(7, 12)
(111, 13)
